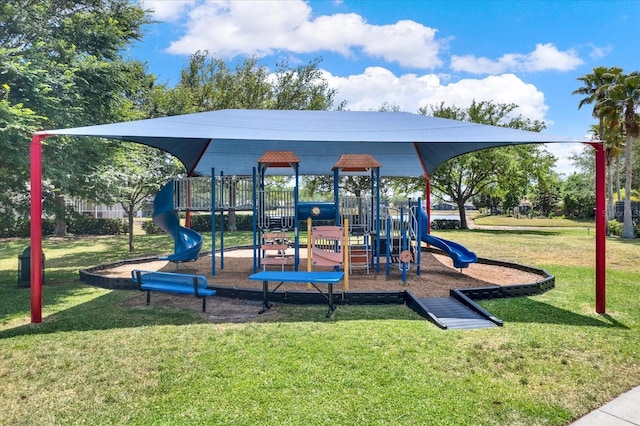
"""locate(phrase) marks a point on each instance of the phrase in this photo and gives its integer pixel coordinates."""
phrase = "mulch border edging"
(546, 283)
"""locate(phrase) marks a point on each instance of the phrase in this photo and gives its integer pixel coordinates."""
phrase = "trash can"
(24, 268)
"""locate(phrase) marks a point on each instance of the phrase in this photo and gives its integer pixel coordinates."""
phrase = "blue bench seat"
(169, 282)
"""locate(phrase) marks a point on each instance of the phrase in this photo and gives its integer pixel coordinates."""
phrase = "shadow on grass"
(629, 241)
(112, 311)
(102, 313)
(527, 310)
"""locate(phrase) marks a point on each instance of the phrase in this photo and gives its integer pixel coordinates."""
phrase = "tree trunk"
(627, 225)
(611, 211)
(231, 217)
(60, 226)
(618, 188)
(130, 217)
(231, 220)
(463, 214)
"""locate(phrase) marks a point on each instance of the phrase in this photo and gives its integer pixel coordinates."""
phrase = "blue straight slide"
(460, 255)
(187, 241)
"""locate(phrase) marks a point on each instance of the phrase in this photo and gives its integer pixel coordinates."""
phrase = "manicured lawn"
(93, 360)
(498, 220)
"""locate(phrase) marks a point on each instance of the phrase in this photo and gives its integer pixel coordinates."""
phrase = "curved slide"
(187, 241)
(460, 255)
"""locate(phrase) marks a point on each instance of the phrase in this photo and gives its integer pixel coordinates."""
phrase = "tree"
(488, 170)
(578, 195)
(616, 96)
(212, 85)
(625, 92)
(546, 194)
(302, 88)
(136, 174)
(61, 60)
(594, 90)
(348, 184)
(16, 124)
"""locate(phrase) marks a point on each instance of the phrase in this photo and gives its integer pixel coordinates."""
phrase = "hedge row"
(90, 226)
(439, 224)
(77, 225)
(202, 223)
(10, 228)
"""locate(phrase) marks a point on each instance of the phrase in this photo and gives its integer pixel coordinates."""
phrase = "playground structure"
(371, 231)
(411, 144)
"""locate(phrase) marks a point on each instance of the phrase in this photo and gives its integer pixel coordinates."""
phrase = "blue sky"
(415, 53)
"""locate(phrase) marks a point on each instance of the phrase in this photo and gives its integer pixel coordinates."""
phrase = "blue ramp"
(187, 242)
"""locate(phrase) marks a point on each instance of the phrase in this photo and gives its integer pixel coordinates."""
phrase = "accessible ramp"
(453, 314)
(187, 242)
(460, 255)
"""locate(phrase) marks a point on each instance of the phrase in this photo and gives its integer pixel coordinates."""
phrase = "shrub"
(20, 227)
(202, 222)
(80, 225)
(445, 224)
(151, 228)
(244, 222)
(615, 228)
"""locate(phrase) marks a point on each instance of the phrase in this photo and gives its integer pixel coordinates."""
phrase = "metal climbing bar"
(275, 210)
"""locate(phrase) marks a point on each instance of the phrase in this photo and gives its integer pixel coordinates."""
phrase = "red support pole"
(36, 227)
(427, 201)
(601, 228)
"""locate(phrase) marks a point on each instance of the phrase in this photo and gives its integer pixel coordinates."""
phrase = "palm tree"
(606, 111)
(611, 118)
(626, 93)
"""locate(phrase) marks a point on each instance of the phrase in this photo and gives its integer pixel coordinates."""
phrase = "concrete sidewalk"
(622, 411)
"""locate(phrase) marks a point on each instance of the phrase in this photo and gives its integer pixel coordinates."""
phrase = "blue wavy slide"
(460, 255)
(187, 241)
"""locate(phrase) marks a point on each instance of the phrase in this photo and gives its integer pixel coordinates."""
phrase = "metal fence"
(231, 192)
(635, 211)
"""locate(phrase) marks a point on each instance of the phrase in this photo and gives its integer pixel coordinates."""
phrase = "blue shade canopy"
(232, 141)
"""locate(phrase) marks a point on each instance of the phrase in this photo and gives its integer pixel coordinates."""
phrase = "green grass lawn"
(538, 222)
(93, 360)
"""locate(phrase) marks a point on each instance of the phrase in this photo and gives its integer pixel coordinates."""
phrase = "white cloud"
(405, 42)
(376, 85)
(563, 152)
(230, 28)
(548, 57)
(545, 57)
(168, 11)
(598, 52)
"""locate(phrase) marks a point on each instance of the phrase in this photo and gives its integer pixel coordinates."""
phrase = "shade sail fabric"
(232, 141)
